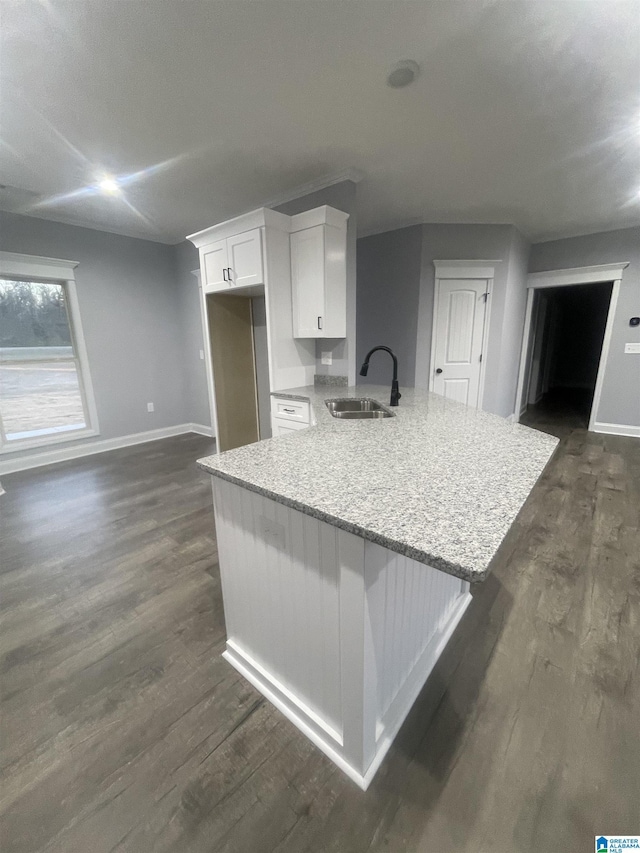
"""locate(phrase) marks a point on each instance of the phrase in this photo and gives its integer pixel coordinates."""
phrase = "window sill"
(46, 440)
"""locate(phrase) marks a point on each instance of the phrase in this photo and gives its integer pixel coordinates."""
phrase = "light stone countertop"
(439, 482)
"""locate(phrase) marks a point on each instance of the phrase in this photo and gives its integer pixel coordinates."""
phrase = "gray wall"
(342, 196)
(620, 400)
(130, 317)
(387, 302)
(196, 397)
(396, 280)
(476, 242)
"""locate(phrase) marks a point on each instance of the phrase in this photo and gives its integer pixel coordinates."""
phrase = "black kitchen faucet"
(395, 390)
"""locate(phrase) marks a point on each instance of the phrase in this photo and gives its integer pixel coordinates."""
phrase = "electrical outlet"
(201, 355)
(150, 407)
(327, 358)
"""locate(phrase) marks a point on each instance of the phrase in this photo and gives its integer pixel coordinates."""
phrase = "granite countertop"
(439, 482)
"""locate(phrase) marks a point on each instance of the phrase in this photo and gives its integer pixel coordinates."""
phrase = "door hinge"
(480, 359)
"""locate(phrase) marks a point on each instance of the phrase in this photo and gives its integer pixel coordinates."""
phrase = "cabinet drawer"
(291, 410)
(281, 426)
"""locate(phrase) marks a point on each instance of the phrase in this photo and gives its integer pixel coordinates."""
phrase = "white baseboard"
(511, 418)
(201, 429)
(292, 709)
(617, 429)
(62, 454)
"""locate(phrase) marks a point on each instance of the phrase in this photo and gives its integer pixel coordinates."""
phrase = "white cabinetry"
(288, 415)
(251, 256)
(233, 262)
(319, 273)
(245, 259)
(214, 265)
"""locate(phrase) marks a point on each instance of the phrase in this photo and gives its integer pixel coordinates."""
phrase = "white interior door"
(458, 330)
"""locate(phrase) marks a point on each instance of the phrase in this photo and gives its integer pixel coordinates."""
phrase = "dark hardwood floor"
(560, 411)
(124, 730)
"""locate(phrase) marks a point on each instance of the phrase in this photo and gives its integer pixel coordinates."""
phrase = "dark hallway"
(569, 326)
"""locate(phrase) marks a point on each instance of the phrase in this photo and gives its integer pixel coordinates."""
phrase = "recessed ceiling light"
(403, 73)
(108, 185)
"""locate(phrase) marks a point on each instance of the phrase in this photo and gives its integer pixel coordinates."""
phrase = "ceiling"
(524, 112)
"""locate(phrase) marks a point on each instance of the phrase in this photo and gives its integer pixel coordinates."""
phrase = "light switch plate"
(327, 358)
(629, 348)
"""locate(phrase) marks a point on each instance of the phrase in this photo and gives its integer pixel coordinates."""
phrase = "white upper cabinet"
(245, 259)
(307, 275)
(214, 264)
(319, 273)
(233, 262)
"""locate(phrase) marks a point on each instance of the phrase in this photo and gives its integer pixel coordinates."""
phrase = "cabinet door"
(214, 263)
(307, 273)
(281, 426)
(245, 259)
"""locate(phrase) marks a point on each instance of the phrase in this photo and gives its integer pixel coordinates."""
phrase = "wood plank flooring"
(124, 731)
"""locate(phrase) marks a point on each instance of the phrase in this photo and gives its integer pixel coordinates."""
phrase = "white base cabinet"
(337, 632)
(289, 415)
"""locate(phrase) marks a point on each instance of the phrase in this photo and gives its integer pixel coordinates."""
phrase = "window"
(45, 392)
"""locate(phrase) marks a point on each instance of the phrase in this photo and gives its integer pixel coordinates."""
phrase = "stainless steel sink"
(363, 408)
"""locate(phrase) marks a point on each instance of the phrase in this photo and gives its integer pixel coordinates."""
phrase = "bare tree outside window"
(41, 389)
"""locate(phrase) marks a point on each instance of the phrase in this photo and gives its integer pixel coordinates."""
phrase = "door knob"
(438, 370)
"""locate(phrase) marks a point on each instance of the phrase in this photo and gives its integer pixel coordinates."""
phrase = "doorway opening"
(237, 339)
(567, 332)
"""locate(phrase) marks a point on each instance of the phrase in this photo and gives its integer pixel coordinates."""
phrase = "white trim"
(350, 174)
(521, 404)
(598, 274)
(33, 266)
(323, 215)
(577, 275)
(201, 429)
(604, 354)
(80, 347)
(259, 218)
(466, 269)
(616, 429)
(50, 457)
(473, 270)
(45, 438)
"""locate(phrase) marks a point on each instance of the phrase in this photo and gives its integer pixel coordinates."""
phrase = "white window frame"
(56, 271)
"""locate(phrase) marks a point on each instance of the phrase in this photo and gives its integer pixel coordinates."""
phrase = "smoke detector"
(403, 74)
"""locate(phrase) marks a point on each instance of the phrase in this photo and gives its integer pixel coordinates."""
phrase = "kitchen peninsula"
(347, 551)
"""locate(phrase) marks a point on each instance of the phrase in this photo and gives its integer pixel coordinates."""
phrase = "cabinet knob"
(438, 370)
